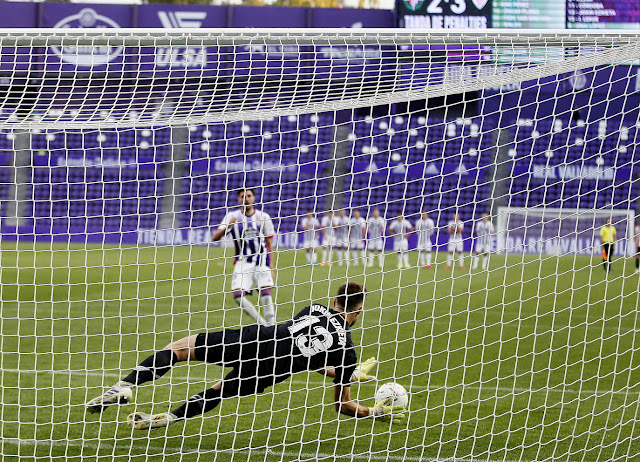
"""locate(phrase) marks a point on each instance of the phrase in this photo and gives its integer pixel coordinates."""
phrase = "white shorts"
(425, 248)
(483, 248)
(375, 244)
(402, 246)
(328, 242)
(249, 276)
(455, 246)
(356, 245)
(310, 244)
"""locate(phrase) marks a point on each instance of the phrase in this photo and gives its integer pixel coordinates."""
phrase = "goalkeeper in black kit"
(316, 339)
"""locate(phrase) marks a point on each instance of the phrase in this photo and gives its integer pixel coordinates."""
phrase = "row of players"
(355, 234)
(252, 232)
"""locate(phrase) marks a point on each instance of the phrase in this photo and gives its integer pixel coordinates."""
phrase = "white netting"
(513, 343)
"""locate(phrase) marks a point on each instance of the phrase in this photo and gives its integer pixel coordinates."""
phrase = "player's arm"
(268, 243)
(345, 405)
(223, 229)
(382, 410)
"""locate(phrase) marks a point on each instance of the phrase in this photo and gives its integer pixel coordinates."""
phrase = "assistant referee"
(608, 239)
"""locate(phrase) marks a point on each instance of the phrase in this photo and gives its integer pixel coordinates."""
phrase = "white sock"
(449, 259)
(476, 259)
(248, 308)
(324, 255)
(364, 258)
(268, 309)
(399, 259)
(485, 262)
(381, 259)
(308, 255)
(340, 257)
(347, 254)
(314, 257)
(406, 258)
(461, 260)
(428, 257)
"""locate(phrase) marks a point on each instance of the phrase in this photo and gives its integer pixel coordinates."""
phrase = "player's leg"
(449, 257)
(638, 260)
(264, 281)
(610, 256)
(213, 348)
(485, 260)
(243, 281)
(476, 259)
(307, 253)
(405, 254)
(428, 256)
(152, 368)
(460, 251)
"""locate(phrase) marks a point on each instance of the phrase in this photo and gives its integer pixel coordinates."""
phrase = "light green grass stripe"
(320, 383)
(267, 453)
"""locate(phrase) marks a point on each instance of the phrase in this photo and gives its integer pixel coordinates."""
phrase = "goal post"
(122, 152)
(562, 231)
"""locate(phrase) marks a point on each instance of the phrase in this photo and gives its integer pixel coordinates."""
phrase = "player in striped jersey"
(425, 228)
(400, 228)
(310, 226)
(356, 237)
(252, 233)
(484, 235)
(375, 230)
(455, 245)
(342, 237)
(329, 223)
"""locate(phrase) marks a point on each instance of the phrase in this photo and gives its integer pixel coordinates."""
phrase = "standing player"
(310, 226)
(608, 239)
(400, 228)
(252, 232)
(455, 245)
(316, 339)
(375, 228)
(342, 236)
(484, 235)
(356, 237)
(425, 228)
(329, 224)
(636, 239)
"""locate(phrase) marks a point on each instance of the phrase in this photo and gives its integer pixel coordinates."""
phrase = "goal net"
(122, 151)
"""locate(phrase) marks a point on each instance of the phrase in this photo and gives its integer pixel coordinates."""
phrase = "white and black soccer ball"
(395, 390)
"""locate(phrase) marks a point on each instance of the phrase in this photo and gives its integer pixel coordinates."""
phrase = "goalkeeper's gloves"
(385, 411)
(361, 374)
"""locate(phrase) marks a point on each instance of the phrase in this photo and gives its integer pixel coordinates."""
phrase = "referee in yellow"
(608, 239)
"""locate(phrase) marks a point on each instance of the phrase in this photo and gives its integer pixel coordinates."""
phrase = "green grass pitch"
(535, 359)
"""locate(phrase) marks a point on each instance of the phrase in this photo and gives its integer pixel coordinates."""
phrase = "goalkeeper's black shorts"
(230, 348)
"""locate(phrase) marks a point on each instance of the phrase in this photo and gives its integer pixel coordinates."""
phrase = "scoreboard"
(519, 14)
(603, 14)
(528, 14)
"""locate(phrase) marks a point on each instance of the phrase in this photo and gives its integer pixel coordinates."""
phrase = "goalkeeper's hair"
(350, 296)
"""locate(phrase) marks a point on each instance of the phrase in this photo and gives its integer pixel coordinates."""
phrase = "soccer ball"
(395, 390)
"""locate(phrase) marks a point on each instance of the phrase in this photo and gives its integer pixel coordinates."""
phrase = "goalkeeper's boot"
(144, 421)
(117, 394)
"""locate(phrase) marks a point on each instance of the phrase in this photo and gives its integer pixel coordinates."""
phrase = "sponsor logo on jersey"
(87, 55)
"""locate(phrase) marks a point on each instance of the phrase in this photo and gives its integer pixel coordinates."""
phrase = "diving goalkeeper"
(317, 339)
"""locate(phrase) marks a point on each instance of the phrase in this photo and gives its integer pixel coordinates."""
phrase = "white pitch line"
(319, 384)
(259, 452)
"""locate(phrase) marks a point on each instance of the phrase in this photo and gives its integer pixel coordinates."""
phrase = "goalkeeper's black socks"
(199, 404)
(637, 263)
(154, 367)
